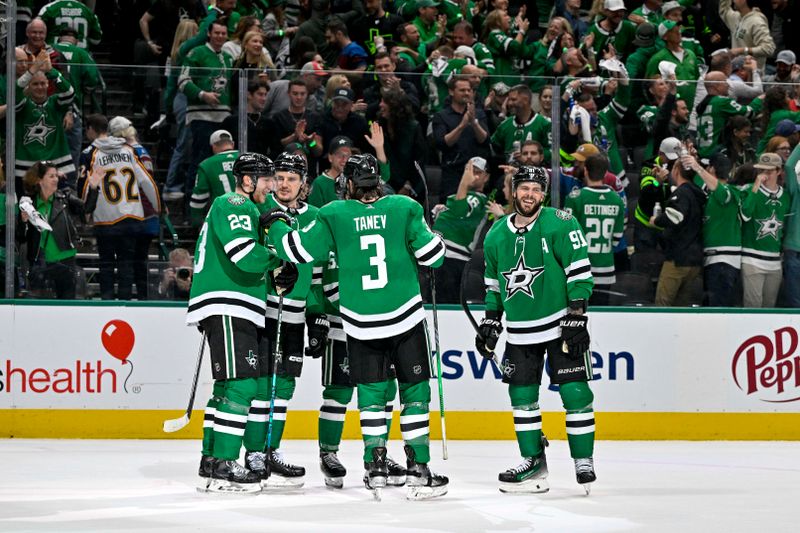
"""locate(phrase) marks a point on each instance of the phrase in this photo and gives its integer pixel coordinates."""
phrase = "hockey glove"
(267, 219)
(284, 277)
(488, 333)
(318, 327)
(574, 335)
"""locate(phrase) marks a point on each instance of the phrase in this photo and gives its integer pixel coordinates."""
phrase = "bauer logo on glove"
(575, 335)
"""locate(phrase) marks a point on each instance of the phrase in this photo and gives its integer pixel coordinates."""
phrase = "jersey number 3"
(378, 260)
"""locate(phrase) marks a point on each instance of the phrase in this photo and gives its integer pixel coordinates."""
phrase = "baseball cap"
(479, 163)
(465, 51)
(427, 3)
(768, 161)
(665, 26)
(786, 56)
(645, 34)
(584, 151)
(295, 147)
(614, 5)
(670, 147)
(501, 89)
(340, 141)
(117, 125)
(220, 136)
(314, 67)
(737, 63)
(343, 93)
(669, 6)
(786, 127)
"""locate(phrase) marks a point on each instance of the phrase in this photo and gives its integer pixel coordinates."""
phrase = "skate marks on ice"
(63, 485)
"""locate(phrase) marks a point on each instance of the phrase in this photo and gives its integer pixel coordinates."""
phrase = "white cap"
(117, 125)
(670, 147)
(614, 5)
(669, 6)
(786, 56)
(465, 51)
(479, 163)
(220, 136)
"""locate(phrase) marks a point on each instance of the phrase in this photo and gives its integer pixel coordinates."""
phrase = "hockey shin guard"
(415, 420)
(284, 390)
(331, 416)
(230, 419)
(577, 398)
(255, 434)
(372, 411)
(527, 418)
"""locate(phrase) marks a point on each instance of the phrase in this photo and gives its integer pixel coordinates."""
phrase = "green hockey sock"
(284, 390)
(230, 419)
(577, 398)
(208, 418)
(415, 420)
(527, 418)
(255, 434)
(372, 411)
(391, 393)
(331, 416)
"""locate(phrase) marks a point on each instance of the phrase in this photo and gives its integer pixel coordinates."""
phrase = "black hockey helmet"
(362, 170)
(529, 173)
(289, 162)
(252, 164)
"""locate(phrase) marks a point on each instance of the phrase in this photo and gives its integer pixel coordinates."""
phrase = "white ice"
(148, 486)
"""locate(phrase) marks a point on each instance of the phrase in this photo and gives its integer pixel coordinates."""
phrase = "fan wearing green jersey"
(601, 213)
(214, 175)
(379, 241)
(231, 268)
(523, 124)
(72, 14)
(538, 273)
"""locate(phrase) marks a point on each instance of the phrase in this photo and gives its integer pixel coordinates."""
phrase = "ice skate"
(397, 474)
(256, 463)
(584, 472)
(376, 472)
(232, 478)
(206, 467)
(422, 483)
(283, 475)
(333, 470)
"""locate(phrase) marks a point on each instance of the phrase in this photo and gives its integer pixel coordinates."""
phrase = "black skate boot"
(397, 474)
(333, 470)
(584, 471)
(528, 477)
(231, 477)
(376, 472)
(206, 467)
(422, 483)
(256, 463)
(283, 475)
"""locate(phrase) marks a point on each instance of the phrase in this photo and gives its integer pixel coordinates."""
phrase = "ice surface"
(146, 486)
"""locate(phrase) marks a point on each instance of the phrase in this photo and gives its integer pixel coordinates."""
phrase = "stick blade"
(176, 424)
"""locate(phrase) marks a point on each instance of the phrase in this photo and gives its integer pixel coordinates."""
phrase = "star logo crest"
(521, 278)
(218, 84)
(38, 132)
(345, 366)
(769, 227)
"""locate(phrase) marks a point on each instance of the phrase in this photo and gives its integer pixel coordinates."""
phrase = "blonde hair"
(264, 60)
(186, 30)
(492, 22)
(335, 82)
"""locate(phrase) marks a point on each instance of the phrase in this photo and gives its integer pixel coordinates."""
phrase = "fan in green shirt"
(686, 64)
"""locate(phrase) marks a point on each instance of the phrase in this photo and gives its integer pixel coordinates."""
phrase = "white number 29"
(378, 261)
(578, 241)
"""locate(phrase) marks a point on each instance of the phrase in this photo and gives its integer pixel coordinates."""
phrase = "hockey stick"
(276, 362)
(171, 426)
(432, 282)
(470, 317)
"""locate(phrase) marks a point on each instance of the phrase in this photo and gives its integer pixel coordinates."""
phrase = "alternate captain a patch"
(521, 278)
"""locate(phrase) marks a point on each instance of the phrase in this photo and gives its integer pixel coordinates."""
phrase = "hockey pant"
(334, 407)
(414, 425)
(255, 436)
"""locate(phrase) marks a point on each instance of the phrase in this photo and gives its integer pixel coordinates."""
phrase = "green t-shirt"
(52, 253)
(686, 69)
(722, 226)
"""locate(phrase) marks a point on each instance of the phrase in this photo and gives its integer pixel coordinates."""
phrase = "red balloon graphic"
(118, 339)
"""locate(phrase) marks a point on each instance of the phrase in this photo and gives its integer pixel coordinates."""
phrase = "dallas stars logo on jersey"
(39, 131)
(521, 278)
(218, 84)
(769, 227)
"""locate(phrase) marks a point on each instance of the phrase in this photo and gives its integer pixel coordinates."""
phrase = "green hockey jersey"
(722, 226)
(323, 191)
(510, 134)
(294, 302)
(83, 74)
(764, 213)
(230, 263)
(532, 273)
(63, 14)
(378, 246)
(459, 222)
(324, 296)
(507, 53)
(214, 178)
(205, 70)
(713, 114)
(601, 213)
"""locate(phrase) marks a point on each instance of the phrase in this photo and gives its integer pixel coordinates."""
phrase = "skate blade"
(588, 488)
(530, 486)
(377, 493)
(202, 484)
(222, 486)
(334, 482)
(276, 483)
(396, 481)
(419, 492)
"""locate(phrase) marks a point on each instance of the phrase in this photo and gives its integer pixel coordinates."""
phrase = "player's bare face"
(288, 186)
(528, 198)
(264, 186)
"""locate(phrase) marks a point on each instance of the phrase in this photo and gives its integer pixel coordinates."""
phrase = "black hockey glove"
(268, 219)
(318, 327)
(284, 277)
(575, 335)
(488, 333)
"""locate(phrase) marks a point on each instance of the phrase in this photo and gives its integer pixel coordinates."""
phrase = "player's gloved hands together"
(284, 277)
(488, 333)
(574, 335)
(268, 218)
(318, 327)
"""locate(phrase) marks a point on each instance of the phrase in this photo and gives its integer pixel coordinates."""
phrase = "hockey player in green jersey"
(290, 176)
(381, 310)
(227, 303)
(214, 175)
(538, 273)
(714, 111)
(601, 213)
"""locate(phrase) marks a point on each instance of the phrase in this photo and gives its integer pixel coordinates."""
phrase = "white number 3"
(578, 241)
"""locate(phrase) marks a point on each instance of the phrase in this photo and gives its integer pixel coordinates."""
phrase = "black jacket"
(65, 202)
(682, 220)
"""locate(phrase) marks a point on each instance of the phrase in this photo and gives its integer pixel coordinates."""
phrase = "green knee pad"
(415, 392)
(284, 387)
(238, 393)
(338, 393)
(576, 396)
(523, 394)
(370, 394)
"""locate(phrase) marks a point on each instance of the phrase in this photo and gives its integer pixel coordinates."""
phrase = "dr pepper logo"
(768, 367)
